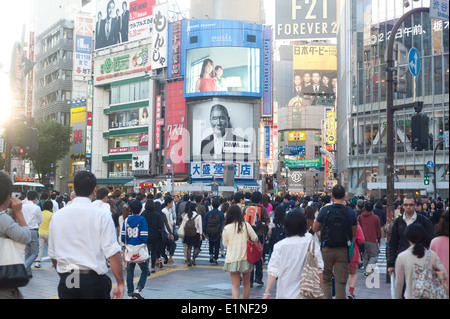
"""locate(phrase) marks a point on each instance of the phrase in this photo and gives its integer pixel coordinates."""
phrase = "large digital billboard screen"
(222, 58)
(223, 71)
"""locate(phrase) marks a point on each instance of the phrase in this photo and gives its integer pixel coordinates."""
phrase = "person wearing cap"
(371, 227)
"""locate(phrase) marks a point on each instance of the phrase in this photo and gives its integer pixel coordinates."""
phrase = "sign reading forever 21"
(305, 19)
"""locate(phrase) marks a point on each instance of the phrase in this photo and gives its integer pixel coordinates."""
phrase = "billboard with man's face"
(315, 74)
(121, 21)
(222, 130)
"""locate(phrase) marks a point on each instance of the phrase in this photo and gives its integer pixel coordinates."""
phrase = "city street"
(204, 281)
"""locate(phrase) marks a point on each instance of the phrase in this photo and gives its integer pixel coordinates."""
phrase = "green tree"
(53, 145)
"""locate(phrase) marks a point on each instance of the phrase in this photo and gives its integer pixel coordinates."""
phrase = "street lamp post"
(170, 165)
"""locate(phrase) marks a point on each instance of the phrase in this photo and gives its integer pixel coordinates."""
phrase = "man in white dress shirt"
(102, 199)
(81, 238)
(33, 217)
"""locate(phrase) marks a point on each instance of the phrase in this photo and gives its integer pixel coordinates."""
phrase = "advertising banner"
(177, 143)
(222, 129)
(78, 121)
(267, 141)
(305, 19)
(222, 58)
(120, 21)
(160, 35)
(141, 162)
(174, 56)
(315, 74)
(83, 47)
(297, 136)
(267, 73)
(307, 163)
(209, 170)
(124, 64)
(331, 128)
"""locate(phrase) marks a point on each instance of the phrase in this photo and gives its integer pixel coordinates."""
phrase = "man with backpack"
(337, 225)
(212, 226)
(256, 215)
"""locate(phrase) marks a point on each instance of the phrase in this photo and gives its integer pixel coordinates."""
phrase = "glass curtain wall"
(372, 22)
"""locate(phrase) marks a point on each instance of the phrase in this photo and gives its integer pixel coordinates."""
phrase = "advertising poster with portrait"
(222, 130)
(315, 74)
(121, 21)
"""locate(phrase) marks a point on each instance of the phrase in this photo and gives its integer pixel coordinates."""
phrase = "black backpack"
(213, 224)
(277, 235)
(335, 229)
(190, 229)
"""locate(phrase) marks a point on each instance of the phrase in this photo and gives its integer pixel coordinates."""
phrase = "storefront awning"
(113, 181)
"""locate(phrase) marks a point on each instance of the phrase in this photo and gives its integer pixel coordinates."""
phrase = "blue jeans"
(32, 250)
(142, 279)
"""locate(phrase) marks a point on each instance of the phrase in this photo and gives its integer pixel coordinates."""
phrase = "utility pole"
(390, 111)
(434, 169)
(390, 115)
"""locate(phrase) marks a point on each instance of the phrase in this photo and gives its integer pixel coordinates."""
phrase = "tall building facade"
(365, 27)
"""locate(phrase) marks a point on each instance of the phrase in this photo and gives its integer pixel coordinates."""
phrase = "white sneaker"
(37, 265)
(137, 294)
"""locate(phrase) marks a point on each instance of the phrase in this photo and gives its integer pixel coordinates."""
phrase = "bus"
(24, 187)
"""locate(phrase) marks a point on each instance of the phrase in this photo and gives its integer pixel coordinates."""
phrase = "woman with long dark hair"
(191, 240)
(416, 254)
(235, 235)
(207, 81)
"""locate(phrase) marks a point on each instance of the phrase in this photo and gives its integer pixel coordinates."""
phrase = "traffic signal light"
(419, 132)
(30, 141)
(401, 67)
(426, 180)
(190, 179)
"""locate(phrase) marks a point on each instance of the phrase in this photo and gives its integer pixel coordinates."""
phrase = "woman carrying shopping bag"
(235, 236)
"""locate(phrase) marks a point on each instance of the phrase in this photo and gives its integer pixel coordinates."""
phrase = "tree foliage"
(53, 145)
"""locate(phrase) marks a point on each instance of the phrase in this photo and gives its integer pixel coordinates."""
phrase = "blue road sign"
(414, 61)
(430, 164)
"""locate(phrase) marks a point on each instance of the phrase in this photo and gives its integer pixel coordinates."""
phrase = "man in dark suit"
(108, 25)
(99, 32)
(222, 141)
(125, 21)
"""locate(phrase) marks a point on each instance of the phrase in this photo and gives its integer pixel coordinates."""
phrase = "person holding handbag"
(288, 258)
(11, 230)
(412, 260)
(235, 236)
(135, 233)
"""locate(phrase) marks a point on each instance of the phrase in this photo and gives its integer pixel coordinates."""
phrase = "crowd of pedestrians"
(94, 230)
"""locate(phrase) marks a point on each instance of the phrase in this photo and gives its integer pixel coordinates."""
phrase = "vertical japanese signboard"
(83, 47)
(176, 138)
(267, 76)
(78, 118)
(174, 57)
(160, 36)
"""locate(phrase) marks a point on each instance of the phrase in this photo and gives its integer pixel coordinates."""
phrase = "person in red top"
(371, 226)
(354, 263)
(207, 81)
